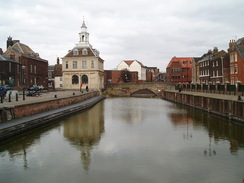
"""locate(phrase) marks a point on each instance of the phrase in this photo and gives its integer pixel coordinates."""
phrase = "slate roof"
(218, 54)
(240, 41)
(206, 57)
(240, 50)
(22, 48)
(6, 59)
(26, 51)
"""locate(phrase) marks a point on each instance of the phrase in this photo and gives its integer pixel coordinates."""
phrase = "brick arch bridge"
(137, 89)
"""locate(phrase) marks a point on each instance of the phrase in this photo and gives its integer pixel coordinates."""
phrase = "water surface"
(128, 140)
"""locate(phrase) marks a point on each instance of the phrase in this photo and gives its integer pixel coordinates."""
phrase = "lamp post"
(23, 80)
(222, 64)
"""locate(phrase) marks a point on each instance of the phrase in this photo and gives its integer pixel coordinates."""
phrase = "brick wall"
(226, 108)
(29, 109)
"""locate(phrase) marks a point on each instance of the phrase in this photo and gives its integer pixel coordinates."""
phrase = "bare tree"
(125, 76)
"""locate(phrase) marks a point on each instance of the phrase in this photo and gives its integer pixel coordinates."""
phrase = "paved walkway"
(22, 120)
(210, 95)
(45, 96)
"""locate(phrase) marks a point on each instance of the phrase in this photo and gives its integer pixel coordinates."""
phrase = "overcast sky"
(150, 31)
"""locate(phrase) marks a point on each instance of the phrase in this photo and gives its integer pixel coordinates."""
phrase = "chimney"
(16, 41)
(1, 51)
(232, 45)
(10, 42)
(57, 60)
(215, 50)
(12, 56)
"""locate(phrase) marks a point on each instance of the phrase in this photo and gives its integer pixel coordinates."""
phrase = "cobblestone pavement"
(45, 96)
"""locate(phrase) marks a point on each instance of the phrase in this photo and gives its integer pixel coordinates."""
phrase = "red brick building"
(236, 51)
(179, 70)
(119, 76)
(152, 74)
(219, 67)
(9, 70)
(34, 68)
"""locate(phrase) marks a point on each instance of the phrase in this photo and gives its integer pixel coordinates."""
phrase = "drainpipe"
(223, 79)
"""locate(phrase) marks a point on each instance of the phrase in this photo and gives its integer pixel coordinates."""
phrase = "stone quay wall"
(30, 109)
(231, 109)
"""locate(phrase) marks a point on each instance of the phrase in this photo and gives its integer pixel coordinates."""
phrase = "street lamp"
(23, 80)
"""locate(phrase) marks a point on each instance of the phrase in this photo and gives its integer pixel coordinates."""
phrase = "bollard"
(1, 99)
(9, 97)
(23, 93)
(55, 96)
(73, 93)
(17, 97)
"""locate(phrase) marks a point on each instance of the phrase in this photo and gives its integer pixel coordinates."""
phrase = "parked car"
(1, 91)
(4, 89)
(40, 87)
(33, 88)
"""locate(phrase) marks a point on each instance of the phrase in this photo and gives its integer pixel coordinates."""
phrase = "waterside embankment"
(43, 112)
(227, 106)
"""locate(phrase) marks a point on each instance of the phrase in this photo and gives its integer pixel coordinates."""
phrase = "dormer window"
(76, 52)
(84, 51)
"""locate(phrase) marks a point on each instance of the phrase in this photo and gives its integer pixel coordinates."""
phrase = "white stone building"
(134, 65)
(83, 65)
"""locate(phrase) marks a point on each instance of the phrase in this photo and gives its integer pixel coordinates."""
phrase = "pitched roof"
(185, 62)
(219, 54)
(22, 48)
(240, 41)
(58, 70)
(129, 62)
(90, 52)
(26, 51)
(206, 57)
(6, 59)
(240, 50)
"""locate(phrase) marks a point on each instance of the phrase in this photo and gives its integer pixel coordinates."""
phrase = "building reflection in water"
(127, 110)
(20, 145)
(217, 127)
(84, 130)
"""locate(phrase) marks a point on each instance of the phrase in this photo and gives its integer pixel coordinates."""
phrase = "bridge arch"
(143, 93)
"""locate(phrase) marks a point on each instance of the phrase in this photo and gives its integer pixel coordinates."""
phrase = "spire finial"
(83, 23)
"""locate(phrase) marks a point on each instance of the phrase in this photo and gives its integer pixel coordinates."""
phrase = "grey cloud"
(152, 31)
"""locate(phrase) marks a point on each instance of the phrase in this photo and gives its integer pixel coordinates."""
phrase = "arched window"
(84, 79)
(75, 52)
(75, 79)
(84, 51)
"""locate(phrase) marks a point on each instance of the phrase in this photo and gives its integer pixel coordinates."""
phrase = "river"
(128, 140)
